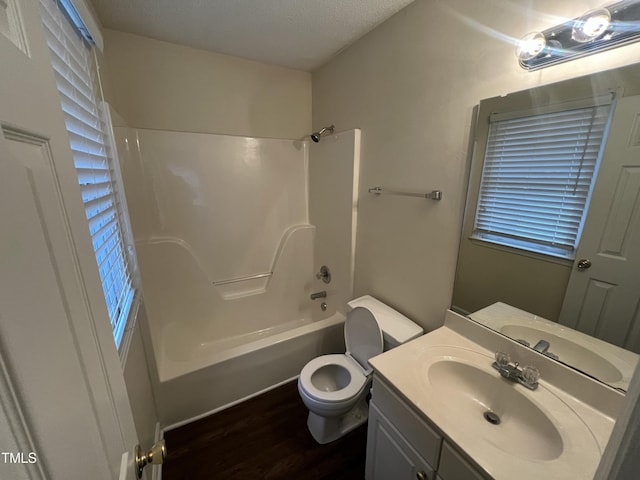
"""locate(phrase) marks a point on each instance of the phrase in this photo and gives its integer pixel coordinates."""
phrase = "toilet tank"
(396, 328)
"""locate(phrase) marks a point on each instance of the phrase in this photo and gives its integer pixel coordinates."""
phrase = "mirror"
(533, 298)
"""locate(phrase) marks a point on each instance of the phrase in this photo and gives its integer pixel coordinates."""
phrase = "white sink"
(534, 425)
(476, 399)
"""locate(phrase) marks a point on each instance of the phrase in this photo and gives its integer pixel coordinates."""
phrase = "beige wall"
(487, 275)
(161, 85)
(411, 85)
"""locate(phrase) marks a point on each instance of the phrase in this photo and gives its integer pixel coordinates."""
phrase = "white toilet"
(334, 387)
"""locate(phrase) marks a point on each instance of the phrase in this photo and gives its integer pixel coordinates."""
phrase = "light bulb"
(591, 25)
(530, 46)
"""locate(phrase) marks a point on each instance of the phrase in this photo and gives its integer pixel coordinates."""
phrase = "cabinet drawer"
(416, 431)
(454, 467)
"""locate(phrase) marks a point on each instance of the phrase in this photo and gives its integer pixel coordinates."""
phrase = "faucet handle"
(502, 359)
(530, 374)
(324, 274)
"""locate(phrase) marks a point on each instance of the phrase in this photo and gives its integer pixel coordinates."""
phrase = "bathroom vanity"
(418, 452)
(440, 411)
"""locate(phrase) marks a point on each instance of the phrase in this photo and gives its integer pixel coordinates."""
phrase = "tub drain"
(492, 418)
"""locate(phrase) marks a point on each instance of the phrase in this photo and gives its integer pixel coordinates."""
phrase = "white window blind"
(76, 78)
(537, 178)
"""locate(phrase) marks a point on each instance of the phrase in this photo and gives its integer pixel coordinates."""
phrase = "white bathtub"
(216, 378)
(211, 351)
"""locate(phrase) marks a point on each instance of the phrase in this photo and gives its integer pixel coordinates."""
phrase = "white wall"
(334, 166)
(230, 198)
(410, 85)
(165, 86)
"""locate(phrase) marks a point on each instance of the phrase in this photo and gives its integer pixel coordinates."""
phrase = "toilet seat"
(356, 384)
(363, 339)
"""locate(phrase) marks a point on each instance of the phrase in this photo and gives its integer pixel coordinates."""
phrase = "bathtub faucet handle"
(324, 274)
(322, 294)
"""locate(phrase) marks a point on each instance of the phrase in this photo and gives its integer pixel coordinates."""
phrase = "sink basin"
(481, 399)
(487, 412)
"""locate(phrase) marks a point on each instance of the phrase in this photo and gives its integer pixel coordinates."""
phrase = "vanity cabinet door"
(422, 437)
(454, 467)
(389, 455)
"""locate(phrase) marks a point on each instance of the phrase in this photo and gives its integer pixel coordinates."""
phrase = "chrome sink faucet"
(542, 346)
(527, 376)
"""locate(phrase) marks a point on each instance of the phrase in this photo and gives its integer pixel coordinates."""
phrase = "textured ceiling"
(300, 34)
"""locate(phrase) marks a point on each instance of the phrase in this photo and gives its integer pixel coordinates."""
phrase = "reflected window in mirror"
(538, 173)
(593, 296)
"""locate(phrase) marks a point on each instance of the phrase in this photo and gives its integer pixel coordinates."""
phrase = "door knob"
(584, 263)
(421, 476)
(155, 455)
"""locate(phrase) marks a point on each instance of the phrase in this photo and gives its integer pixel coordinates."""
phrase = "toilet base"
(327, 429)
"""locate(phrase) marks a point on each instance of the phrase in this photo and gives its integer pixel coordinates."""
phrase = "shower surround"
(228, 254)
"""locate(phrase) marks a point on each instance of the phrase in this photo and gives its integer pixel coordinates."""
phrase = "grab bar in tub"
(242, 279)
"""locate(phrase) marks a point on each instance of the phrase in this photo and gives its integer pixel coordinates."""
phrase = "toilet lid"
(362, 336)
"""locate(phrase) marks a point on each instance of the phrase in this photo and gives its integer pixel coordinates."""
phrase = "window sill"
(132, 320)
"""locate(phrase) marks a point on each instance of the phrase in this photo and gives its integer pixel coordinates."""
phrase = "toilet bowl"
(331, 385)
(335, 387)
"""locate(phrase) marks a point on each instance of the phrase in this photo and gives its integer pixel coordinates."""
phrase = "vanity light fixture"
(591, 25)
(597, 30)
(531, 46)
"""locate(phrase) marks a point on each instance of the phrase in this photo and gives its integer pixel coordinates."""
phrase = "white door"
(64, 411)
(603, 295)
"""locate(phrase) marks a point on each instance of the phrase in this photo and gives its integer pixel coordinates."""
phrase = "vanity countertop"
(575, 444)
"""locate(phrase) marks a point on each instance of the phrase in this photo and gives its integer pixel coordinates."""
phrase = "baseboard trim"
(228, 405)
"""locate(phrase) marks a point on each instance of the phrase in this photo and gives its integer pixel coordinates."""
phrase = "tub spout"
(321, 294)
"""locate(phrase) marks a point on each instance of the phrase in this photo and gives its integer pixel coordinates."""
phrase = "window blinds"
(537, 178)
(76, 79)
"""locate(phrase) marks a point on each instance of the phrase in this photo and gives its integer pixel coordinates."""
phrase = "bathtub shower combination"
(229, 234)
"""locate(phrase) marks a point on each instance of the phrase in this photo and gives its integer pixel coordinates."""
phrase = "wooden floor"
(263, 438)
